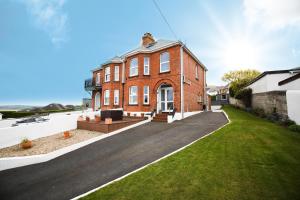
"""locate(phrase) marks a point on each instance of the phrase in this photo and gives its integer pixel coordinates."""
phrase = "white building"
(278, 91)
(0, 116)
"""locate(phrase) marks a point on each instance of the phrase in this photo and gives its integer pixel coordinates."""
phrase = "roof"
(290, 79)
(155, 46)
(292, 70)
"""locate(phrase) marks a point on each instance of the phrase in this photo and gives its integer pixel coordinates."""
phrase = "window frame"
(106, 92)
(161, 63)
(136, 66)
(131, 95)
(98, 79)
(148, 65)
(146, 94)
(106, 75)
(117, 78)
(118, 97)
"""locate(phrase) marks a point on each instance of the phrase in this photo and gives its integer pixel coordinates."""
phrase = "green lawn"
(250, 158)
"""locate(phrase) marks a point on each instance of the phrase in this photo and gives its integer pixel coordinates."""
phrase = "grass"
(250, 158)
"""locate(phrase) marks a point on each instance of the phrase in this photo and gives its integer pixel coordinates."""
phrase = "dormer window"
(164, 62)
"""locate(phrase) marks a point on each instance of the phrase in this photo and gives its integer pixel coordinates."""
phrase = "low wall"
(236, 102)
(270, 100)
(57, 123)
(293, 105)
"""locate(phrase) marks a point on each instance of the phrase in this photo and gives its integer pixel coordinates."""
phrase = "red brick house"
(161, 76)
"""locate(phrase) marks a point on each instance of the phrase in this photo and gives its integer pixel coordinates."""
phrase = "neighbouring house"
(87, 102)
(278, 91)
(160, 75)
(0, 116)
(219, 94)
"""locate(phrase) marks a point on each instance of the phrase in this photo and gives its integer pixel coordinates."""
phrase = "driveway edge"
(139, 169)
(13, 162)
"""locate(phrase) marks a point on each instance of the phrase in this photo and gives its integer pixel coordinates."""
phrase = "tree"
(239, 79)
(240, 75)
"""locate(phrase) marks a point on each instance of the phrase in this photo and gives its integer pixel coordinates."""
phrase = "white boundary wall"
(293, 105)
(57, 123)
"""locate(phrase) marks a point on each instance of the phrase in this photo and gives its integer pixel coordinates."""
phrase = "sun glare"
(240, 54)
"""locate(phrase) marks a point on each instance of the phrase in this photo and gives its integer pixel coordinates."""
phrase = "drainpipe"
(181, 82)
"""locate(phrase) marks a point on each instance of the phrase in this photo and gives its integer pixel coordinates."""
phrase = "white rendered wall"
(270, 83)
(293, 105)
(57, 123)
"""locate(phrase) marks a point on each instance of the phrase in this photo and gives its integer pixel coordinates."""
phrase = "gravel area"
(48, 144)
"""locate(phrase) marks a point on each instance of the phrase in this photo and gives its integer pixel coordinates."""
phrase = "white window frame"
(131, 102)
(146, 94)
(107, 74)
(196, 71)
(98, 79)
(147, 65)
(106, 97)
(117, 73)
(164, 62)
(134, 67)
(116, 97)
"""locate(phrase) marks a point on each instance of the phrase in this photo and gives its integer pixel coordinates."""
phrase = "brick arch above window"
(165, 81)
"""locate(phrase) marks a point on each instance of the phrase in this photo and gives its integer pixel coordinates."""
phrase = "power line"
(164, 18)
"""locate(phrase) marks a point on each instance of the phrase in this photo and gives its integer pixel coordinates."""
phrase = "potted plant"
(97, 118)
(128, 114)
(87, 119)
(67, 134)
(26, 143)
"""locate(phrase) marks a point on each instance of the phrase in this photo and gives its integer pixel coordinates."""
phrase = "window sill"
(197, 79)
(133, 104)
(133, 76)
(166, 72)
(146, 104)
(146, 74)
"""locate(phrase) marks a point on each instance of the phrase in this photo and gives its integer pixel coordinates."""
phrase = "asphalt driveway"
(98, 163)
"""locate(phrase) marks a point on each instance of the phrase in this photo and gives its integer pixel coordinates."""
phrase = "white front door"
(167, 99)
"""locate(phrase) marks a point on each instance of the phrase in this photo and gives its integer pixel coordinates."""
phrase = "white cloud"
(48, 15)
(273, 14)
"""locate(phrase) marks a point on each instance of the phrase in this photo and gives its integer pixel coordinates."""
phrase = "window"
(106, 97)
(146, 66)
(196, 72)
(146, 94)
(164, 62)
(107, 74)
(223, 97)
(116, 97)
(116, 73)
(133, 71)
(133, 90)
(98, 79)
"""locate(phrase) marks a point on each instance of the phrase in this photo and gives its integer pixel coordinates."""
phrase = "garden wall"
(236, 102)
(57, 123)
(270, 100)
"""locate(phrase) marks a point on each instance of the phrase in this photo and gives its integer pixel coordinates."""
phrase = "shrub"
(245, 95)
(295, 128)
(287, 122)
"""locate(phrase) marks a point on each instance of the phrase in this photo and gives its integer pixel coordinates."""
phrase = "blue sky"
(47, 48)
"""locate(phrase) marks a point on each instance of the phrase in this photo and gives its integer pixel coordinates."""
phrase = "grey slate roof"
(155, 46)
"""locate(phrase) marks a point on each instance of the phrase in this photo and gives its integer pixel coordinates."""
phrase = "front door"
(167, 99)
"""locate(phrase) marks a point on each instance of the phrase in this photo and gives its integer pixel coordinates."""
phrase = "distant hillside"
(16, 107)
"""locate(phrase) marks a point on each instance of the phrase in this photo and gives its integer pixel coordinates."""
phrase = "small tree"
(239, 79)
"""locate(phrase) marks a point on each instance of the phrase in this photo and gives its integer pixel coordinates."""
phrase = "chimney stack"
(147, 39)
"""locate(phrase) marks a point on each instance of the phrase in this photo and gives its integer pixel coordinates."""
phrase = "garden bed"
(48, 144)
